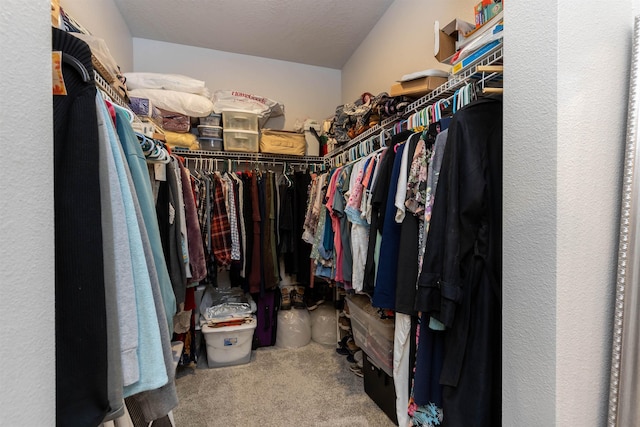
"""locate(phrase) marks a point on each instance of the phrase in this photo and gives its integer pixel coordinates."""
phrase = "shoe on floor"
(342, 351)
(351, 345)
(356, 370)
(359, 358)
(297, 298)
(312, 304)
(285, 303)
(344, 323)
(346, 312)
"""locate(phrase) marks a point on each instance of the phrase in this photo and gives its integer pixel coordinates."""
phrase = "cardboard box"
(417, 87)
(446, 38)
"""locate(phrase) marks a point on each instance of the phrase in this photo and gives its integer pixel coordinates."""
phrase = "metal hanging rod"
(210, 163)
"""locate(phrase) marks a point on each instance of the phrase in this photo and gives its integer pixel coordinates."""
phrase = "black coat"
(81, 317)
(461, 279)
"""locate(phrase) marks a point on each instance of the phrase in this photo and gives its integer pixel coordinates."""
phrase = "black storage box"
(380, 388)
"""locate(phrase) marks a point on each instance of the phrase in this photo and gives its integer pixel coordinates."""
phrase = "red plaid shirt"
(220, 227)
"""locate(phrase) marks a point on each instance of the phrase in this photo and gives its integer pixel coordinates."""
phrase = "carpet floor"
(308, 386)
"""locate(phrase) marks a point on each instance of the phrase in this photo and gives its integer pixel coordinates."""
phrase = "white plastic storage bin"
(239, 120)
(210, 131)
(210, 144)
(229, 345)
(239, 140)
(211, 120)
(372, 334)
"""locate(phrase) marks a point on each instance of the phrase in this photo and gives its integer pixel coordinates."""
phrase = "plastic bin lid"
(206, 329)
(239, 110)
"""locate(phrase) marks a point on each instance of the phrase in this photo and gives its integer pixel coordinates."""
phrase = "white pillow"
(188, 104)
(175, 82)
(417, 75)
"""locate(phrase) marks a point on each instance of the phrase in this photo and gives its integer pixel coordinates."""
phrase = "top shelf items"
(468, 74)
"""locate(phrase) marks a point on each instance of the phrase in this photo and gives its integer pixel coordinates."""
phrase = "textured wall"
(564, 136)
(591, 135)
(103, 19)
(306, 91)
(27, 394)
(400, 43)
(530, 216)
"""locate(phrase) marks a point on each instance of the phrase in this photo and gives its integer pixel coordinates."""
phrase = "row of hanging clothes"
(250, 219)
(416, 225)
(136, 232)
(115, 297)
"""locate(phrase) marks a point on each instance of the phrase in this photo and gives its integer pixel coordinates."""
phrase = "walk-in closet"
(363, 213)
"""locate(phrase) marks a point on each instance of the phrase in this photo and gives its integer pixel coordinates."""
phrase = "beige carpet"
(309, 386)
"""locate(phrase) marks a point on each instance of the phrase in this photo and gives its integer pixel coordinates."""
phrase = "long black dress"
(461, 279)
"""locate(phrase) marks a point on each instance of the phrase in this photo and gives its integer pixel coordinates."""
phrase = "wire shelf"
(250, 157)
(109, 90)
(446, 90)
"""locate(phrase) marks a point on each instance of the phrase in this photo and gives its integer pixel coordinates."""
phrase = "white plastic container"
(229, 345)
(239, 120)
(372, 334)
(237, 140)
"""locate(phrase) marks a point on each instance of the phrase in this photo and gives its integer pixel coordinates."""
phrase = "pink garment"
(335, 225)
(355, 198)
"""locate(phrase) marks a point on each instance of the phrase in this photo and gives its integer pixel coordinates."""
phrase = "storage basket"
(282, 142)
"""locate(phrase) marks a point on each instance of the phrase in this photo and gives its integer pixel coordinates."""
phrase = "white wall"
(589, 180)
(530, 217)
(400, 43)
(27, 376)
(564, 139)
(103, 19)
(306, 91)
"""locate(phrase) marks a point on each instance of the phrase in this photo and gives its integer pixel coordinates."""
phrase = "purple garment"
(196, 249)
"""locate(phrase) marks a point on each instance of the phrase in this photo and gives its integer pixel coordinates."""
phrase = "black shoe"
(342, 351)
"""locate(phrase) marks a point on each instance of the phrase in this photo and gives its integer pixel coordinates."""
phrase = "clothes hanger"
(284, 175)
(146, 143)
(76, 65)
(128, 113)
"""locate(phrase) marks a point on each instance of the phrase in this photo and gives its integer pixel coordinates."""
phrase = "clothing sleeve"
(456, 214)
(401, 189)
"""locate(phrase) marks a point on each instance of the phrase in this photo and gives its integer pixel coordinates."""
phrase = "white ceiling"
(315, 32)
